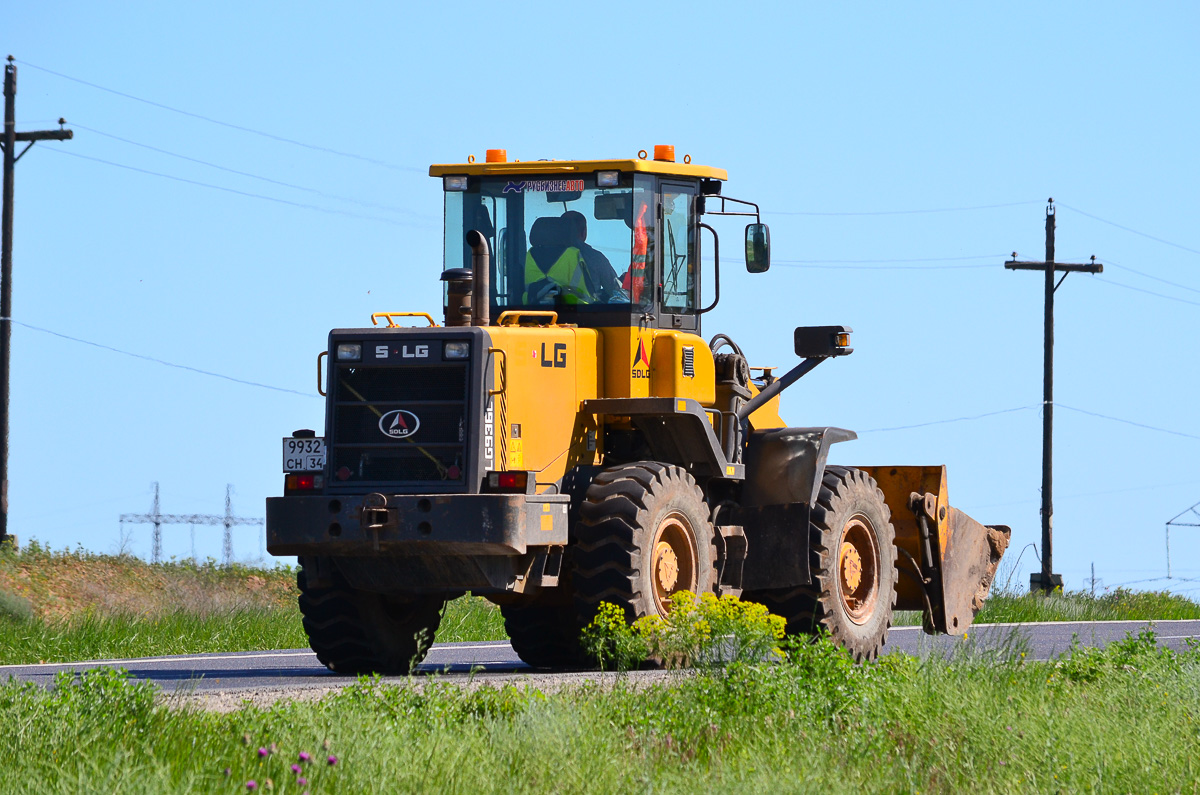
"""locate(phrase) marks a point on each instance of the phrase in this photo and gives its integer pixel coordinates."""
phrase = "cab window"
(678, 238)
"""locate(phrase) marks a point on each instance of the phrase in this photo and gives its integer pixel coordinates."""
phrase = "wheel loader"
(564, 436)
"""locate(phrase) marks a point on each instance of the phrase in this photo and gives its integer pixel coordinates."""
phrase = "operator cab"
(602, 243)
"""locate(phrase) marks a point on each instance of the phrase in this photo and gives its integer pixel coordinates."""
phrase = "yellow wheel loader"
(564, 436)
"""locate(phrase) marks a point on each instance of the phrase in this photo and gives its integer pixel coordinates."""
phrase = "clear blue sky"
(823, 114)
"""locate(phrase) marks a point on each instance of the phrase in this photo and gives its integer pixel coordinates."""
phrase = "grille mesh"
(435, 395)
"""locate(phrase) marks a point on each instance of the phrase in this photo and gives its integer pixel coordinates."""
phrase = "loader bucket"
(946, 559)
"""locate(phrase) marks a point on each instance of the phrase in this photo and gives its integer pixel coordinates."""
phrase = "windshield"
(558, 241)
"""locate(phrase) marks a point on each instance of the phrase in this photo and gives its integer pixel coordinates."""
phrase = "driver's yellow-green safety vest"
(566, 272)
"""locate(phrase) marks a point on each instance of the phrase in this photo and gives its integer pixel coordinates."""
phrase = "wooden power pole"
(10, 140)
(1046, 580)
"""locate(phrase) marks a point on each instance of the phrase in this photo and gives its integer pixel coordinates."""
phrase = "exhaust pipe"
(481, 267)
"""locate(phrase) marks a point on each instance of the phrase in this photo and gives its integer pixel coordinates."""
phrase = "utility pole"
(1174, 522)
(1046, 580)
(11, 137)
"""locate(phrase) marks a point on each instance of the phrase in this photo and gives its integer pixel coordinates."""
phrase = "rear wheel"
(544, 634)
(853, 563)
(644, 536)
(361, 632)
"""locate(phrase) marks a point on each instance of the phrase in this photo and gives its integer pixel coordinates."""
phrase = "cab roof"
(517, 167)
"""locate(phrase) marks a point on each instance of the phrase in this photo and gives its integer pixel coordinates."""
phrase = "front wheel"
(852, 556)
(644, 536)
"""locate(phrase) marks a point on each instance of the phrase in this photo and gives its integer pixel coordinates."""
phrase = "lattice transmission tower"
(157, 518)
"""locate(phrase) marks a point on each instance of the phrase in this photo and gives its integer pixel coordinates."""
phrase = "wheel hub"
(851, 568)
(673, 560)
(858, 569)
(666, 566)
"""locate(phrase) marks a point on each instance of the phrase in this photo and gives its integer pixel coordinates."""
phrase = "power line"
(904, 212)
(248, 194)
(1128, 229)
(1081, 495)
(866, 264)
(158, 361)
(1128, 422)
(1026, 408)
(1150, 292)
(849, 267)
(247, 173)
(955, 419)
(239, 127)
(1155, 278)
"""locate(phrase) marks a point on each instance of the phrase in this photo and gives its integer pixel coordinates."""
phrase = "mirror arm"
(716, 270)
(722, 211)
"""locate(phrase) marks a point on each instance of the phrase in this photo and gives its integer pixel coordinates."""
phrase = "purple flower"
(263, 752)
(296, 769)
(332, 761)
(251, 784)
(303, 782)
(304, 756)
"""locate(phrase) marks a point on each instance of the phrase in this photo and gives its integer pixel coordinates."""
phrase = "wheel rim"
(673, 560)
(858, 569)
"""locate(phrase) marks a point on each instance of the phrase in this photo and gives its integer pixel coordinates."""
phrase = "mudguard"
(784, 467)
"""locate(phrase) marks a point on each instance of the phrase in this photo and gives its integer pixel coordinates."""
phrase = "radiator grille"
(431, 445)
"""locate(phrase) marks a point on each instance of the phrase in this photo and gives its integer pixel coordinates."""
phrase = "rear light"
(508, 481)
(305, 482)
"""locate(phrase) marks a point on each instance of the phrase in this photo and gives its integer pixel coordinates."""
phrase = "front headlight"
(349, 352)
(456, 350)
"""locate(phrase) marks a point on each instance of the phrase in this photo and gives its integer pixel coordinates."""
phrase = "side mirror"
(758, 248)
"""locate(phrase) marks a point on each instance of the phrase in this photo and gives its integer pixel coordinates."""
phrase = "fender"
(784, 468)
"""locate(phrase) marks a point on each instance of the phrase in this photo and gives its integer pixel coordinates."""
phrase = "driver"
(554, 268)
(599, 271)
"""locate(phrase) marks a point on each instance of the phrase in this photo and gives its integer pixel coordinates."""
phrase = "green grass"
(75, 605)
(1119, 605)
(60, 606)
(1121, 720)
(96, 636)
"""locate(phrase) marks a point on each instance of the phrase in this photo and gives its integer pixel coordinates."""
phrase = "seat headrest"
(548, 231)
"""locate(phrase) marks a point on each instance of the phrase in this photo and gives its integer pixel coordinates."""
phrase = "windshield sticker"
(544, 185)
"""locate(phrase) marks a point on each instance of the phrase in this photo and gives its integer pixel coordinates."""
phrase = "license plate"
(303, 455)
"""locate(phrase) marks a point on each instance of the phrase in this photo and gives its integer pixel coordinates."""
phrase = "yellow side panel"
(649, 363)
(628, 352)
(548, 372)
(767, 415)
(667, 378)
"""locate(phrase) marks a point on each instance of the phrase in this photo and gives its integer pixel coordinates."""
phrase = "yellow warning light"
(842, 340)
(496, 156)
(664, 152)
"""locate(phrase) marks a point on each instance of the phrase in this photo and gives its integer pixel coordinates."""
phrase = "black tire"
(627, 512)
(850, 509)
(545, 634)
(361, 632)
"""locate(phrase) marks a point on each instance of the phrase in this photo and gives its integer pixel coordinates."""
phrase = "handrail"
(503, 371)
(393, 324)
(320, 372)
(517, 314)
(500, 425)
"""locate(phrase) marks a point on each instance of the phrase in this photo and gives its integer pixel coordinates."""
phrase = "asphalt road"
(297, 670)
